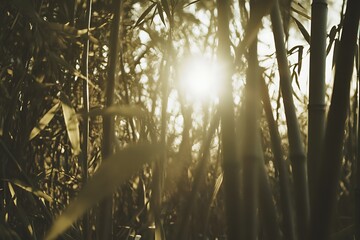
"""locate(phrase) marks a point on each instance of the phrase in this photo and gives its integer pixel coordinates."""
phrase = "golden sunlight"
(198, 78)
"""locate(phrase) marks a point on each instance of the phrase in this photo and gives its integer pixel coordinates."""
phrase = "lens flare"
(198, 78)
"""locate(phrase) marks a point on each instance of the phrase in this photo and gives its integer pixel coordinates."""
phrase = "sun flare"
(198, 78)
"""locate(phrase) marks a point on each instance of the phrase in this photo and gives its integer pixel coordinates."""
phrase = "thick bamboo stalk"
(317, 106)
(182, 231)
(105, 218)
(231, 165)
(332, 156)
(266, 203)
(284, 182)
(357, 174)
(251, 150)
(297, 152)
(85, 124)
(158, 180)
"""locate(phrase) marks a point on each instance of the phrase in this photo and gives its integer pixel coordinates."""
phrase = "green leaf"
(72, 123)
(303, 30)
(112, 172)
(44, 121)
(144, 14)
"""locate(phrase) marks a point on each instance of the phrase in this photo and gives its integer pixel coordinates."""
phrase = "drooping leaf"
(217, 186)
(190, 3)
(292, 50)
(153, 16)
(303, 30)
(62, 62)
(36, 192)
(111, 173)
(44, 121)
(165, 5)
(300, 54)
(20, 211)
(295, 76)
(161, 13)
(144, 14)
(336, 50)
(71, 122)
(26, 8)
(332, 35)
(120, 110)
(301, 13)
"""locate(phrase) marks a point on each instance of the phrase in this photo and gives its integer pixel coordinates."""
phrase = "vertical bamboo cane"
(231, 164)
(266, 203)
(85, 125)
(252, 152)
(357, 175)
(285, 195)
(332, 156)
(297, 153)
(105, 218)
(317, 107)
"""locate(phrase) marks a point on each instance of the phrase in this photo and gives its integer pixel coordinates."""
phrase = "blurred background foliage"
(42, 111)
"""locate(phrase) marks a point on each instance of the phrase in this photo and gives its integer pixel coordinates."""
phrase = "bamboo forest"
(179, 120)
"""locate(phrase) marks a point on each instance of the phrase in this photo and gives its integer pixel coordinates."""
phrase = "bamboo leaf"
(120, 110)
(292, 50)
(165, 5)
(144, 14)
(35, 191)
(71, 122)
(112, 172)
(332, 36)
(44, 121)
(336, 50)
(193, 2)
(300, 54)
(303, 30)
(61, 61)
(21, 213)
(295, 76)
(161, 13)
(26, 7)
(301, 13)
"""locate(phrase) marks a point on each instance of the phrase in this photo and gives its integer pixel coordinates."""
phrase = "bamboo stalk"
(357, 174)
(158, 179)
(85, 124)
(284, 182)
(105, 218)
(252, 150)
(297, 153)
(231, 165)
(200, 172)
(325, 201)
(266, 203)
(317, 106)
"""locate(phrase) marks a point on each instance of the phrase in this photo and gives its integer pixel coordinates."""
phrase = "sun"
(198, 78)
